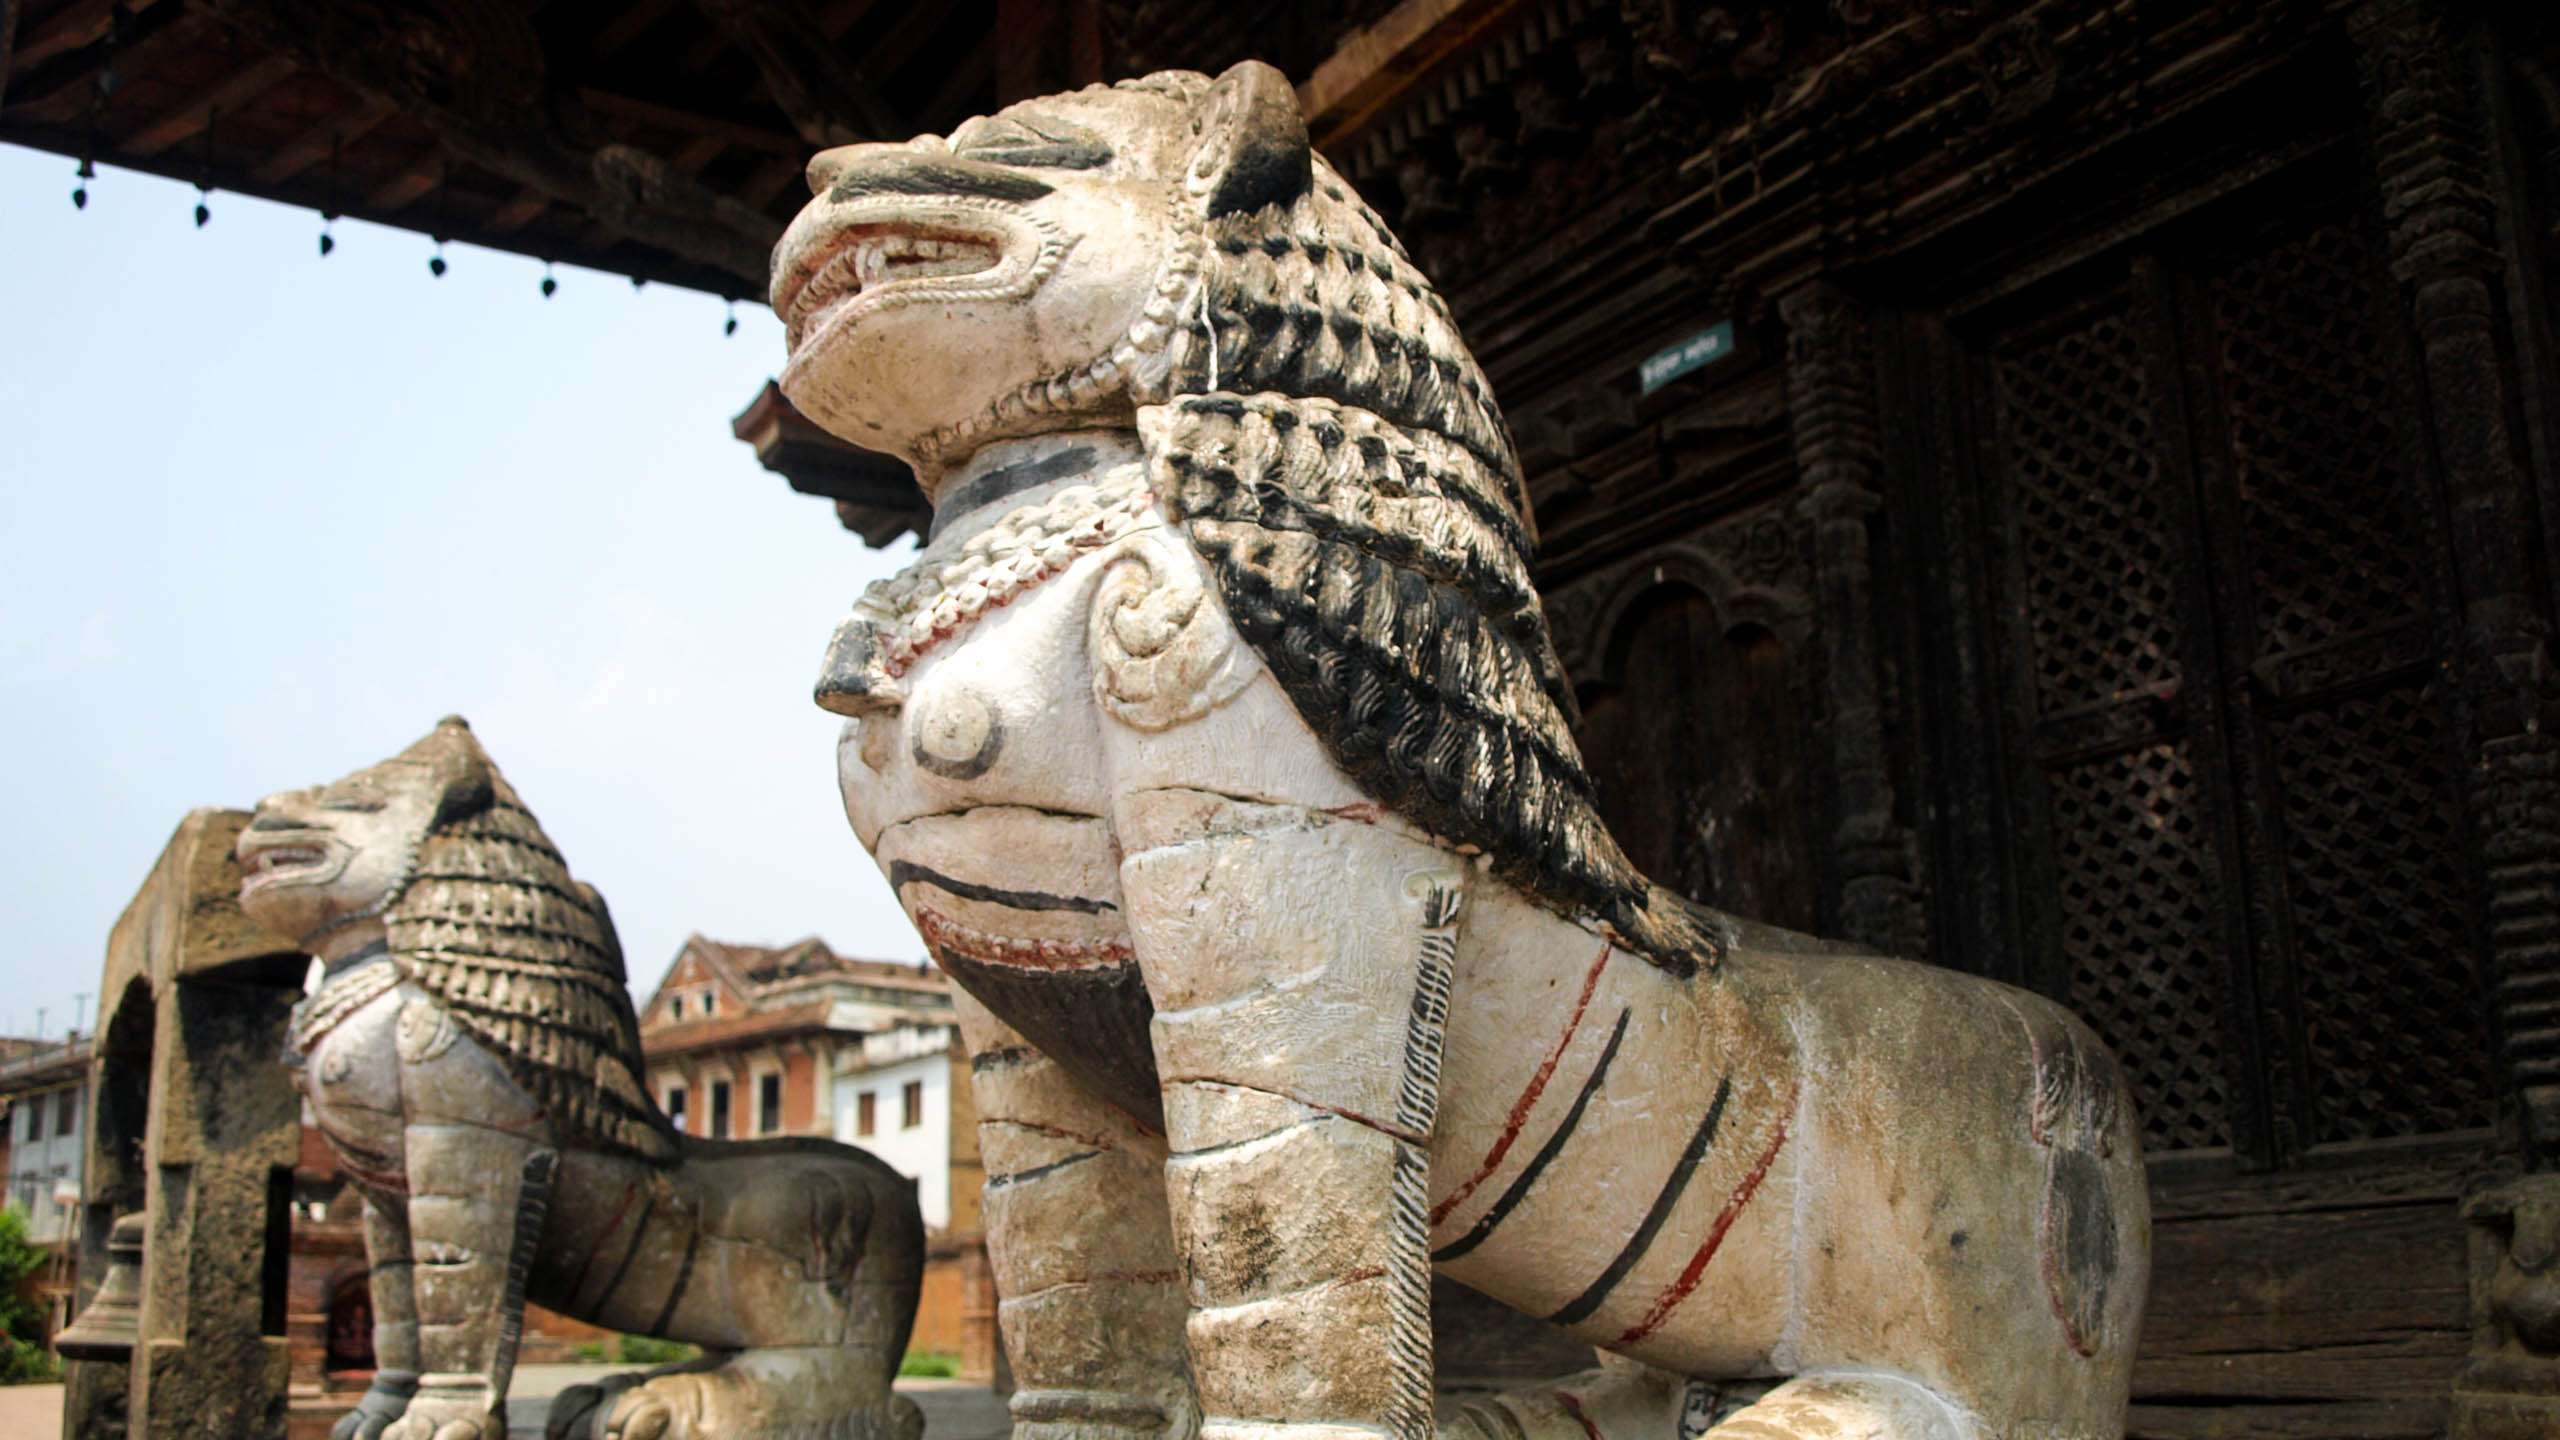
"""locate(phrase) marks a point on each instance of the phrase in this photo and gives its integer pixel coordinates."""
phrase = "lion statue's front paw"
(814, 1391)
(681, 1406)
(383, 1402)
(450, 1412)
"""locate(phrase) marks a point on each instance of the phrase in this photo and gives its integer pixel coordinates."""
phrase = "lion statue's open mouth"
(864, 258)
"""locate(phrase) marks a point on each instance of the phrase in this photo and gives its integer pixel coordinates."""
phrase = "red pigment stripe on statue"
(1528, 1098)
(941, 932)
(1573, 1407)
(1690, 1274)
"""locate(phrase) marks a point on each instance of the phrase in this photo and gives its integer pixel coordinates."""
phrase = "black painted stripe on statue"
(1011, 480)
(639, 1230)
(1037, 1172)
(904, 872)
(1094, 1024)
(1582, 1305)
(675, 1292)
(1546, 1153)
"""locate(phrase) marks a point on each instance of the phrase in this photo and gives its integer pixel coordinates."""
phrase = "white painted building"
(749, 1040)
(44, 1090)
(893, 1098)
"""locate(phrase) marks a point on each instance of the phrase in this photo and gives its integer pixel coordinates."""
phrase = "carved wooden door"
(2216, 627)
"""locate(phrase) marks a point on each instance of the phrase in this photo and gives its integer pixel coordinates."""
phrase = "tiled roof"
(32, 1064)
(727, 1032)
(761, 974)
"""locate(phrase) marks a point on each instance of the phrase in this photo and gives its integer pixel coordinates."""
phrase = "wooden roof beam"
(351, 123)
(626, 27)
(519, 212)
(837, 16)
(907, 36)
(402, 190)
(973, 71)
(775, 177)
(694, 156)
(190, 116)
(82, 22)
(1379, 64)
(55, 91)
(668, 116)
(637, 193)
(829, 99)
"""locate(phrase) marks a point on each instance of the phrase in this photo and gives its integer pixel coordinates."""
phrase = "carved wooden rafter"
(1374, 66)
(56, 84)
(356, 120)
(190, 117)
(488, 105)
(829, 99)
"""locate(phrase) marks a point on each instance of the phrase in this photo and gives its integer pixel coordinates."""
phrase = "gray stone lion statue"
(472, 1056)
(1216, 746)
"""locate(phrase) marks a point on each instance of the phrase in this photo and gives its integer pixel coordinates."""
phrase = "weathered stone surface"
(1220, 701)
(471, 1054)
(197, 1131)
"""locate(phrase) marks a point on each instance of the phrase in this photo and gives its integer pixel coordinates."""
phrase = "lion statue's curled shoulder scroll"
(1216, 746)
(472, 1057)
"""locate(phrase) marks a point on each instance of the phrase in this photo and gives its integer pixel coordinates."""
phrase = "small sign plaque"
(1693, 354)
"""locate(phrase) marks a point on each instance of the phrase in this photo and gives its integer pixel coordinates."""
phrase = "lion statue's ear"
(1250, 148)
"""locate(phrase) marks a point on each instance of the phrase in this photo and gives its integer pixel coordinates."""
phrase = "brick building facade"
(747, 1040)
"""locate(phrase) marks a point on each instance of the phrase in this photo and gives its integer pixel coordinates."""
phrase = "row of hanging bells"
(107, 82)
(436, 264)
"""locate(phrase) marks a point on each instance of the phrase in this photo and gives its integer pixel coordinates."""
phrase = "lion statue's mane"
(1312, 420)
(525, 958)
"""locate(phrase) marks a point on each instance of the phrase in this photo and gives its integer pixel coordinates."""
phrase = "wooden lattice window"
(2233, 812)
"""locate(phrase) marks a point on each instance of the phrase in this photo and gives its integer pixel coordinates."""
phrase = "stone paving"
(953, 1409)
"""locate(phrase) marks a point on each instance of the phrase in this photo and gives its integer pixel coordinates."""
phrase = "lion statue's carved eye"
(1031, 140)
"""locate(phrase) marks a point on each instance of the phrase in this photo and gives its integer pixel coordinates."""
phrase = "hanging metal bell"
(106, 1329)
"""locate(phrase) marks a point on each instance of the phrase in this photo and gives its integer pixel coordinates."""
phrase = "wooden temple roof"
(663, 139)
(660, 139)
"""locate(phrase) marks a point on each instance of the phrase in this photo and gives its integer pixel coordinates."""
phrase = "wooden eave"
(484, 120)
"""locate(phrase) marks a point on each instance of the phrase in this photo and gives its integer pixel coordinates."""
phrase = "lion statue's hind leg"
(792, 1262)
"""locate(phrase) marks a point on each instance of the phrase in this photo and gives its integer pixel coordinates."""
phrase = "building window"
(768, 1104)
(675, 1106)
(866, 1113)
(35, 1121)
(675, 1007)
(66, 1112)
(911, 1101)
(720, 1109)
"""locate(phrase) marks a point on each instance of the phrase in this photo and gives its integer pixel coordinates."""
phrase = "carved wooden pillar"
(2435, 190)
(1831, 398)
(2430, 152)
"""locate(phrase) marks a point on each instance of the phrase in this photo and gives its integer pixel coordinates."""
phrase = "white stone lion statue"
(472, 1056)
(1217, 748)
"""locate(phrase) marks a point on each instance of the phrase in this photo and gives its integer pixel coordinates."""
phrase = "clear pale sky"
(264, 517)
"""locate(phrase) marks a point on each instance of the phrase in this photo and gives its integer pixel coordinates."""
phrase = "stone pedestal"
(2510, 1387)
